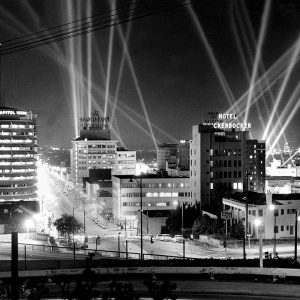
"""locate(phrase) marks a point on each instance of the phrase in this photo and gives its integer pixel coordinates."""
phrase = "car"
(178, 238)
(166, 237)
(159, 237)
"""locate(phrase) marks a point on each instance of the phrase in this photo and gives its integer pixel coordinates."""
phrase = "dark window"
(229, 163)
(275, 229)
(282, 228)
(282, 211)
(240, 163)
(225, 163)
(235, 163)
(291, 229)
(260, 212)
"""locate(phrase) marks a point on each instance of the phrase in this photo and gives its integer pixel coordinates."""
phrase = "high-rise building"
(224, 161)
(94, 149)
(18, 167)
(174, 155)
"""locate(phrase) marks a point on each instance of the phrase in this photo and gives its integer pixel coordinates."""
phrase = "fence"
(193, 249)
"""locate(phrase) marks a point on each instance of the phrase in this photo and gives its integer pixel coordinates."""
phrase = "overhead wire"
(91, 26)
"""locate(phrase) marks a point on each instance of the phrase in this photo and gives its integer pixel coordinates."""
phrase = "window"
(282, 211)
(260, 213)
(291, 230)
(275, 229)
(282, 228)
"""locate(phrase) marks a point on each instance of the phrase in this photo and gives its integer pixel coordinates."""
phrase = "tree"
(67, 225)
(237, 230)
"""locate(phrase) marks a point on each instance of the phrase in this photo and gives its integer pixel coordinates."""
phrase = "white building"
(94, 149)
(281, 220)
(158, 194)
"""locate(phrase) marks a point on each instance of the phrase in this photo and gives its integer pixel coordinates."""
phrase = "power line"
(95, 24)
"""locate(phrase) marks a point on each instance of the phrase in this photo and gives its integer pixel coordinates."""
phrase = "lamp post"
(119, 246)
(246, 216)
(273, 208)
(257, 223)
(297, 218)
(28, 224)
(183, 242)
(139, 181)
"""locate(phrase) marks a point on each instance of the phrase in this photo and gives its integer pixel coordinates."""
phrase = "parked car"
(178, 238)
(167, 237)
(159, 237)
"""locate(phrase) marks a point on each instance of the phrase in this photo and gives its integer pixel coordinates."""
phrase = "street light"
(273, 208)
(176, 202)
(119, 246)
(257, 224)
(297, 218)
(139, 181)
(28, 224)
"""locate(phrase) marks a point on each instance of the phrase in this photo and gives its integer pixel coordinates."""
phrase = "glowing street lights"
(139, 181)
(28, 224)
(176, 202)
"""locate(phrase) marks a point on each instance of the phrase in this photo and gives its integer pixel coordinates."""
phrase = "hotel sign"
(225, 121)
(95, 121)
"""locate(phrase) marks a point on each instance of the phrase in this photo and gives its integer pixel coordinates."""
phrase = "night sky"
(174, 71)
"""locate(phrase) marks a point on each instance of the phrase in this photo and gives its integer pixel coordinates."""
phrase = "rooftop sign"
(7, 112)
(225, 121)
(95, 121)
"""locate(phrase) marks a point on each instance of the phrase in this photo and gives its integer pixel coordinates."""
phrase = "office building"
(224, 161)
(174, 156)
(158, 194)
(18, 168)
(94, 149)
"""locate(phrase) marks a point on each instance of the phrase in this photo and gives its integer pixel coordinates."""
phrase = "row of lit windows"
(126, 155)
(27, 155)
(157, 185)
(14, 133)
(85, 146)
(11, 171)
(158, 194)
(17, 148)
(233, 185)
(16, 193)
(4, 178)
(16, 126)
(15, 185)
(95, 151)
(146, 204)
(15, 163)
(15, 141)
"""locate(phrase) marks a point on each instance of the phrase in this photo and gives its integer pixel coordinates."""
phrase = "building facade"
(158, 194)
(276, 213)
(223, 162)
(18, 166)
(174, 155)
(94, 149)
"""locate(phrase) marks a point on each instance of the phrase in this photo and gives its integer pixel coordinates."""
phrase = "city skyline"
(182, 63)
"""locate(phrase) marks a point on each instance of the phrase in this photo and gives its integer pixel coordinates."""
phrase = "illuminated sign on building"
(95, 121)
(225, 121)
(13, 112)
